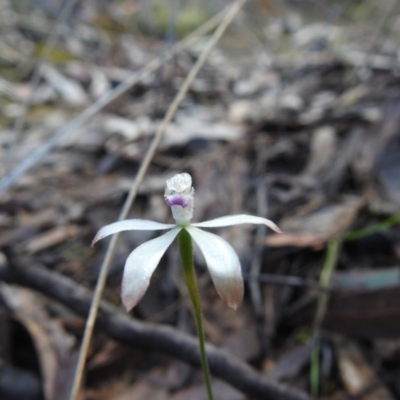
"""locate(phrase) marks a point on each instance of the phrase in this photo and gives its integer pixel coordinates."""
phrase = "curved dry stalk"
(36, 156)
(225, 22)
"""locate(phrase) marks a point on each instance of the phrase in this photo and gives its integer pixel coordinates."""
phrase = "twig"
(285, 280)
(36, 156)
(148, 336)
(254, 284)
(227, 19)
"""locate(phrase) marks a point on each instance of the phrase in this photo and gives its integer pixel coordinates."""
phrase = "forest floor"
(295, 116)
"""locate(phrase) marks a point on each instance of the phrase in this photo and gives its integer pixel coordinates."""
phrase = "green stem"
(314, 366)
(325, 279)
(370, 230)
(186, 250)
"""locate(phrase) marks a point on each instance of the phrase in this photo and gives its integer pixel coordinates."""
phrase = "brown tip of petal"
(234, 296)
(128, 308)
(276, 228)
(233, 303)
(94, 241)
(128, 303)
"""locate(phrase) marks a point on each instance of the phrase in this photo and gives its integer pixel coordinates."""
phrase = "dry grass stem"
(225, 22)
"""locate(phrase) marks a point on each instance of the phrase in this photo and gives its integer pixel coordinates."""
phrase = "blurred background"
(294, 117)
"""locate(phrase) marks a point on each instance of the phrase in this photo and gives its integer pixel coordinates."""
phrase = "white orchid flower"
(221, 259)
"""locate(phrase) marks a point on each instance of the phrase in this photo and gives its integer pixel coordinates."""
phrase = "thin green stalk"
(186, 250)
(326, 274)
(370, 230)
(314, 365)
(325, 279)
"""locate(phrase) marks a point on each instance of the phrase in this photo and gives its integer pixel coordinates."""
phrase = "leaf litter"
(301, 99)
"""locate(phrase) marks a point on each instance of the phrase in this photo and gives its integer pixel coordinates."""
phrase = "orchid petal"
(236, 220)
(128, 225)
(223, 264)
(140, 265)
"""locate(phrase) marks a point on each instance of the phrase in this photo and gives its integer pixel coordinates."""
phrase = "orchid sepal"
(128, 225)
(223, 264)
(230, 220)
(140, 265)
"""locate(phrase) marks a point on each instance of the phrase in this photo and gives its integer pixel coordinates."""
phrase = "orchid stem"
(186, 250)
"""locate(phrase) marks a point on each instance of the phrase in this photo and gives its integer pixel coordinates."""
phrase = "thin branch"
(225, 22)
(254, 284)
(286, 280)
(37, 156)
(148, 336)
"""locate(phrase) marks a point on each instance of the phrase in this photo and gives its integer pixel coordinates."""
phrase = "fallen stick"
(148, 336)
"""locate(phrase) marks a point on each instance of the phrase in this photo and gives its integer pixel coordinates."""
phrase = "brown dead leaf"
(221, 390)
(323, 147)
(316, 223)
(111, 352)
(289, 364)
(52, 343)
(287, 239)
(71, 91)
(243, 343)
(51, 238)
(144, 391)
(357, 375)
